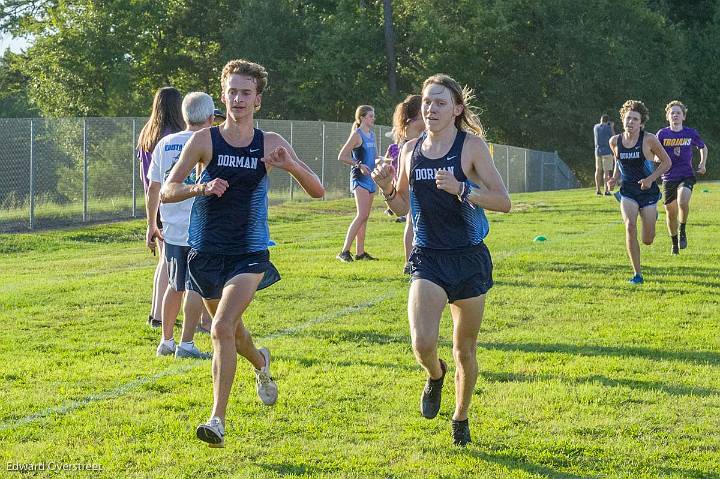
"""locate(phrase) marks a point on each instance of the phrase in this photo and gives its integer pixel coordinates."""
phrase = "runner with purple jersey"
(679, 142)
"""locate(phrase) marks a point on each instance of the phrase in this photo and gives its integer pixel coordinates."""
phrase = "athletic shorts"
(643, 198)
(670, 187)
(462, 273)
(606, 161)
(368, 184)
(176, 258)
(208, 273)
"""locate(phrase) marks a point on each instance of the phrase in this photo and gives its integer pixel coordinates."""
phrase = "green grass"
(581, 374)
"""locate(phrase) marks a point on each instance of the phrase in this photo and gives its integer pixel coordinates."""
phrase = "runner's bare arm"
(492, 194)
(279, 153)
(197, 150)
(660, 156)
(345, 154)
(396, 195)
(613, 180)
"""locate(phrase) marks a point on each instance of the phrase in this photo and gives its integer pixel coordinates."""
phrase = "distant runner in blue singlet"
(633, 149)
(229, 260)
(447, 177)
(360, 152)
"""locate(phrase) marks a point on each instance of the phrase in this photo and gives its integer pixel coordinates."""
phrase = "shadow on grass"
(518, 463)
(325, 363)
(653, 386)
(697, 357)
(358, 337)
(293, 470)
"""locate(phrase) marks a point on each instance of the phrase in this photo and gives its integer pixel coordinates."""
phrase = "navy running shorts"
(176, 258)
(208, 272)
(670, 187)
(642, 197)
(462, 273)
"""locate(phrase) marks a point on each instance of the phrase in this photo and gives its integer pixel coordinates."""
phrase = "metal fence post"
(322, 165)
(85, 171)
(526, 178)
(134, 168)
(32, 177)
(507, 150)
(379, 148)
(292, 180)
(542, 171)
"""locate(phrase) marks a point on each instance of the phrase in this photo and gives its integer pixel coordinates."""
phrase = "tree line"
(543, 72)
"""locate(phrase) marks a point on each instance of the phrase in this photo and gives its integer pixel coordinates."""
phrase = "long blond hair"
(166, 115)
(360, 113)
(468, 120)
(405, 112)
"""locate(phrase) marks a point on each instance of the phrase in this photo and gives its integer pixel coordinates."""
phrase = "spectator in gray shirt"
(603, 154)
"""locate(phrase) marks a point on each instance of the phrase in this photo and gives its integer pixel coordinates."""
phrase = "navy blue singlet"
(440, 221)
(633, 168)
(235, 223)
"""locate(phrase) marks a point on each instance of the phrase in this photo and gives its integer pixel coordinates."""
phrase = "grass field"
(581, 374)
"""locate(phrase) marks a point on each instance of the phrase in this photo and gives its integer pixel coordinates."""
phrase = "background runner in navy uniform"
(447, 177)
(639, 193)
(360, 152)
(679, 142)
(229, 231)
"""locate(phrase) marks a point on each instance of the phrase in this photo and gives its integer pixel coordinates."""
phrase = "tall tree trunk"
(390, 48)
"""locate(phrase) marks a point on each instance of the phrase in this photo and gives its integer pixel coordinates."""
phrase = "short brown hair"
(676, 103)
(636, 106)
(244, 67)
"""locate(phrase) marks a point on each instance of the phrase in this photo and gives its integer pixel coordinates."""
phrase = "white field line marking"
(127, 387)
(115, 393)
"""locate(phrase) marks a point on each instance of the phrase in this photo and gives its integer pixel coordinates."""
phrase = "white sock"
(187, 344)
(170, 343)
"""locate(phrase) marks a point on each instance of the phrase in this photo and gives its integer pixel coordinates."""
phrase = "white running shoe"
(163, 350)
(212, 432)
(192, 353)
(267, 390)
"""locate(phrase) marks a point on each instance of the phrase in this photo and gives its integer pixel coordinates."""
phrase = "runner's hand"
(279, 158)
(611, 183)
(645, 184)
(383, 175)
(364, 169)
(216, 187)
(446, 181)
(701, 169)
(150, 235)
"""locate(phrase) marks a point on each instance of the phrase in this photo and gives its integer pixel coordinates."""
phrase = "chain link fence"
(64, 171)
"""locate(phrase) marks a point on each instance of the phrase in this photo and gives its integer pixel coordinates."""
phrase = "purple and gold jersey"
(679, 146)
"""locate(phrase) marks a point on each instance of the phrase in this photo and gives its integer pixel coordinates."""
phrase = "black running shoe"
(430, 399)
(364, 257)
(461, 433)
(683, 240)
(154, 323)
(675, 250)
(345, 257)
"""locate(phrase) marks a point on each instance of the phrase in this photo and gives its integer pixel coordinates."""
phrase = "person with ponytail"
(407, 125)
(359, 152)
(165, 118)
(447, 178)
